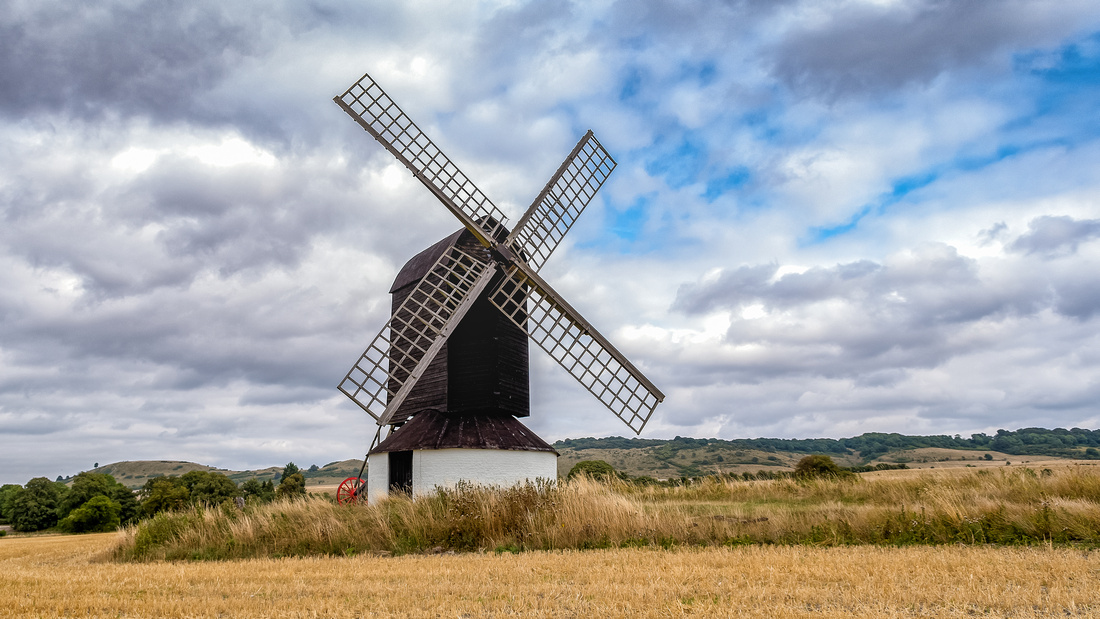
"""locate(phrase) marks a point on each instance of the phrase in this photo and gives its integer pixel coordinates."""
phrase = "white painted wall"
(489, 467)
(378, 476)
(446, 467)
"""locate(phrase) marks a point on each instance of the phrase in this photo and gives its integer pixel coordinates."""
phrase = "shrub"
(209, 488)
(98, 514)
(161, 494)
(596, 469)
(818, 466)
(88, 485)
(293, 486)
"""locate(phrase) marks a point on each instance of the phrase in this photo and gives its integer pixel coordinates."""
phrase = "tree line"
(1073, 443)
(97, 502)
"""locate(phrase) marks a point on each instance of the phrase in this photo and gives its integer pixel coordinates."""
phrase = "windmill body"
(447, 377)
(462, 413)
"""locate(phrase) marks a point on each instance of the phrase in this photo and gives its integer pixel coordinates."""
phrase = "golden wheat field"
(66, 576)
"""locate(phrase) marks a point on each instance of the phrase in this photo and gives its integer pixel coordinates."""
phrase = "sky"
(829, 217)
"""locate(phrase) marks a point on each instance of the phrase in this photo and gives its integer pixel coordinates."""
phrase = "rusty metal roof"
(431, 429)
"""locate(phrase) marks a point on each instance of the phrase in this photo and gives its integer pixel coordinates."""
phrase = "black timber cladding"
(435, 430)
(483, 367)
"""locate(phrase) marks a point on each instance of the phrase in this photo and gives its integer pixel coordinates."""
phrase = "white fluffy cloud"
(826, 219)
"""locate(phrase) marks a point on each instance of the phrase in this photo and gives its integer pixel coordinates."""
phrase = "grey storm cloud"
(87, 58)
(871, 47)
(1052, 235)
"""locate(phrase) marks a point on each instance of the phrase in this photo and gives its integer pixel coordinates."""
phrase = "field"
(767, 548)
(52, 576)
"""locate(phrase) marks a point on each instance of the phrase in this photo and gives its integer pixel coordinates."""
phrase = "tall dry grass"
(1008, 506)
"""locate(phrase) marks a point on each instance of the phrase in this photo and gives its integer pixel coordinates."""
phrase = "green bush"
(292, 486)
(819, 466)
(596, 469)
(209, 488)
(161, 494)
(96, 515)
(87, 485)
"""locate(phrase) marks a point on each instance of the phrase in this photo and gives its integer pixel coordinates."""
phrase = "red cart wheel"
(348, 492)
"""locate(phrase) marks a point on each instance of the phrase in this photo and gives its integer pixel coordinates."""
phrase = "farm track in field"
(51, 576)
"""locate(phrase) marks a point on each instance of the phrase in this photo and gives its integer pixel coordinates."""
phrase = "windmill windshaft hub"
(449, 360)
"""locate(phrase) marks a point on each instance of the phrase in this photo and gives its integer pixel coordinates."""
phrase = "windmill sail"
(561, 202)
(389, 368)
(576, 345)
(373, 109)
(386, 373)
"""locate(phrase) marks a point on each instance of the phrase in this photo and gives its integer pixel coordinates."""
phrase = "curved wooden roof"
(431, 429)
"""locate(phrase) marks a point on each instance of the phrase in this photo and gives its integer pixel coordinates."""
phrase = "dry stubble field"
(64, 576)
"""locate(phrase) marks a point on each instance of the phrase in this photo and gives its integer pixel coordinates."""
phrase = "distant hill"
(692, 457)
(135, 473)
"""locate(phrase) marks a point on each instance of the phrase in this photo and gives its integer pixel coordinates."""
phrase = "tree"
(291, 486)
(596, 469)
(7, 491)
(259, 492)
(34, 507)
(99, 513)
(130, 510)
(209, 488)
(162, 494)
(288, 470)
(85, 486)
(818, 466)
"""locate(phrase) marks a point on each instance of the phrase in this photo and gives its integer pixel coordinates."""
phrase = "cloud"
(195, 242)
(1052, 235)
(855, 48)
(144, 59)
(858, 319)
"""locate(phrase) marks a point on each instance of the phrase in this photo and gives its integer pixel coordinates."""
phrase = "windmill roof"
(432, 429)
(418, 265)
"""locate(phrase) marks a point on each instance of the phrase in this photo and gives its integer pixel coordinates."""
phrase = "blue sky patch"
(716, 187)
(679, 163)
(627, 224)
(819, 234)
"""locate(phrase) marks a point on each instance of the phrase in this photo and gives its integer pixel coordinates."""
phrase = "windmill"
(447, 376)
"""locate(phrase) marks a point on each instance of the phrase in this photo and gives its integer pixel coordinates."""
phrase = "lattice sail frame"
(397, 357)
(561, 202)
(577, 347)
(373, 109)
(528, 300)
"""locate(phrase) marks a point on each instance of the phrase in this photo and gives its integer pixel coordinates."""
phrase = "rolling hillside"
(693, 457)
(135, 473)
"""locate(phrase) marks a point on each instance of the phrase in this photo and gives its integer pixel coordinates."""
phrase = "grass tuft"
(1013, 507)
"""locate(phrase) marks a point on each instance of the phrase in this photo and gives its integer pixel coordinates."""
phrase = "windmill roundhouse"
(447, 376)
